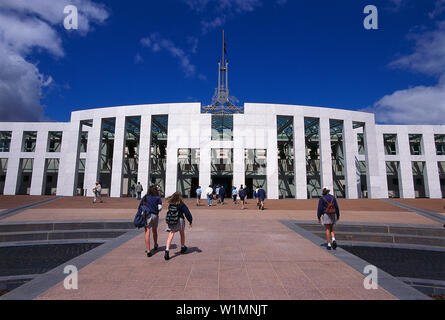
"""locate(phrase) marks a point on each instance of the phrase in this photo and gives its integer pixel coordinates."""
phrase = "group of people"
(218, 193)
(134, 190)
(152, 205)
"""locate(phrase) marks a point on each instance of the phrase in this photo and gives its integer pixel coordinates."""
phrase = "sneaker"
(183, 249)
(334, 244)
(328, 248)
(148, 253)
(166, 255)
(155, 247)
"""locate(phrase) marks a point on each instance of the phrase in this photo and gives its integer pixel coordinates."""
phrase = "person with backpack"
(255, 195)
(328, 214)
(151, 205)
(261, 196)
(176, 222)
(242, 195)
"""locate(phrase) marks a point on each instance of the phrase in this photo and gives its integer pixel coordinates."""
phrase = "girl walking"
(177, 208)
(328, 214)
(151, 205)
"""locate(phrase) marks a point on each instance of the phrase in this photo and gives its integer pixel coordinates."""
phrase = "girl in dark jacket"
(151, 204)
(176, 201)
(328, 219)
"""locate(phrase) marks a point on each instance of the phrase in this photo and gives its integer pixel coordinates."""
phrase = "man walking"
(97, 190)
(209, 193)
(139, 190)
(328, 214)
(222, 194)
(261, 196)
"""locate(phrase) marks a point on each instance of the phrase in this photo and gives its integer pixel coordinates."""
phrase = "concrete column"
(325, 154)
(13, 169)
(204, 167)
(171, 173)
(300, 158)
(144, 151)
(272, 156)
(238, 167)
(92, 160)
(349, 143)
(69, 160)
(376, 178)
(432, 179)
(38, 166)
(118, 157)
(406, 170)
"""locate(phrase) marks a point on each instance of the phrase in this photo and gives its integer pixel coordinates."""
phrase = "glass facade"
(392, 177)
(390, 144)
(158, 153)
(29, 141)
(54, 141)
(51, 176)
(83, 141)
(131, 156)
(415, 144)
(81, 178)
(419, 178)
(439, 140)
(24, 177)
(221, 169)
(255, 169)
(312, 141)
(286, 171)
(5, 140)
(222, 127)
(106, 154)
(338, 158)
(188, 172)
(3, 168)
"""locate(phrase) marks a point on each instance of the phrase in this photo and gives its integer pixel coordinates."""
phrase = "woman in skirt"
(151, 204)
(328, 214)
(176, 201)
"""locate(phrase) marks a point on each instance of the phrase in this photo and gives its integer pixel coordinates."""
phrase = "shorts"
(180, 226)
(327, 219)
(152, 221)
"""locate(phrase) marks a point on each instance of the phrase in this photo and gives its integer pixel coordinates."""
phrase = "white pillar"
(144, 151)
(325, 154)
(349, 143)
(272, 156)
(93, 152)
(205, 167)
(238, 167)
(38, 166)
(300, 175)
(406, 170)
(171, 170)
(69, 160)
(432, 178)
(13, 169)
(118, 157)
(375, 158)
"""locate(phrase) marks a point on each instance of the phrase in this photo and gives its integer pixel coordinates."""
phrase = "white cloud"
(419, 104)
(156, 43)
(26, 26)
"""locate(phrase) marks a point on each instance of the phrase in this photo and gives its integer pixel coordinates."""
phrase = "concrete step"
(63, 225)
(61, 235)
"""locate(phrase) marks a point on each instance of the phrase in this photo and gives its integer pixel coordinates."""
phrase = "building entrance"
(225, 181)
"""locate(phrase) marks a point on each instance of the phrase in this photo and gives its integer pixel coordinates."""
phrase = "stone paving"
(233, 253)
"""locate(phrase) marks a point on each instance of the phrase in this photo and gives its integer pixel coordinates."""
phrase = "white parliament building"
(291, 150)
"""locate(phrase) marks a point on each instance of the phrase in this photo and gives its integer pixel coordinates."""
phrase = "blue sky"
(293, 52)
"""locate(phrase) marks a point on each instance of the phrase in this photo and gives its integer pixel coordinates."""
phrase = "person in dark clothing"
(176, 200)
(222, 194)
(261, 196)
(242, 195)
(151, 205)
(328, 214)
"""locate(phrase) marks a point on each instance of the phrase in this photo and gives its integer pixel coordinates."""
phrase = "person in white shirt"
(209, 193)
(97, 190)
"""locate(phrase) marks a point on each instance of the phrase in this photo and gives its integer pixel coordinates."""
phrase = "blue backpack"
(139, 219)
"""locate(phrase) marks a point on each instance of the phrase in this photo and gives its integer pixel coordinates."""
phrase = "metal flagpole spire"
(222, 103)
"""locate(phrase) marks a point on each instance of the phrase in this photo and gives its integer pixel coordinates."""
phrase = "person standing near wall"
(139, 190)
(97, 192)
(328, 214)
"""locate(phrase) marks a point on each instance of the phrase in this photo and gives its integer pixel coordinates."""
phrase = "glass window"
(390, 141)
(415, 144)
(29, 141)
(83, 141)
(54, 141)
(222, 127)
(440, 144)
(5, 140)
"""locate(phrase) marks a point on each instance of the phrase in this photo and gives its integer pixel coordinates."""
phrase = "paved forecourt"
(233, 253)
